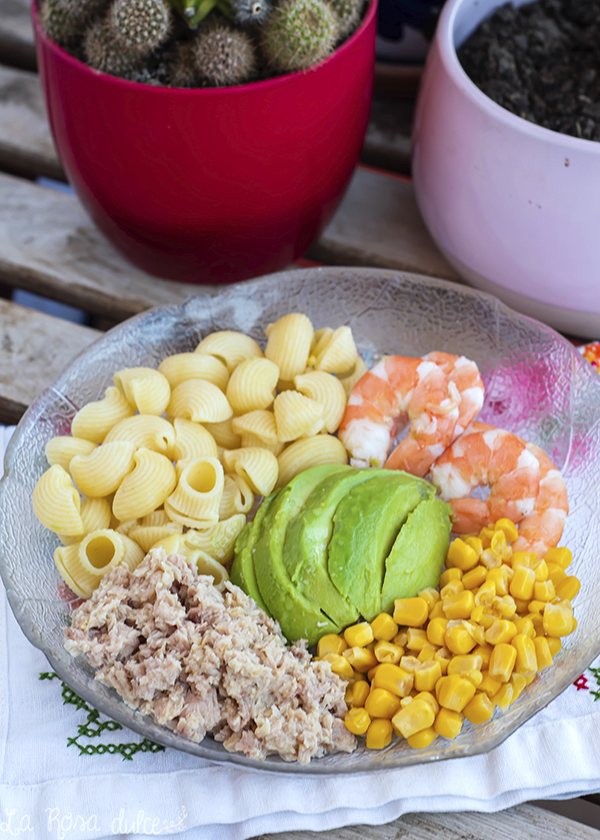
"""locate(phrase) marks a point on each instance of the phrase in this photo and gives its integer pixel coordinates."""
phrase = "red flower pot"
(211, 185)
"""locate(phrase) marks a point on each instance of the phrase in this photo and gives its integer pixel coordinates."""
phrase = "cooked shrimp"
(542, 529)
(465, 375)
(398, 390)
(487, 456)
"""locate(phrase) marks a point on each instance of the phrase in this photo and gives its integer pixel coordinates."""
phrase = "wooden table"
(49, 246)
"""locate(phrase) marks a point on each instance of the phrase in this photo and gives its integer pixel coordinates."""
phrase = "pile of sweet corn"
(459, 652)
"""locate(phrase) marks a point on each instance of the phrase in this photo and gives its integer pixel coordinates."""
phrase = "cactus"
(140, 25)
(224, 55)
(348, 12)
(103, 52)
(298, 34)
(182, 71)
(65, 21)
(246, 12)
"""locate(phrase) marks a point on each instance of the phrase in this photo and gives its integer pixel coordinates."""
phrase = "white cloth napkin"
(49, 788)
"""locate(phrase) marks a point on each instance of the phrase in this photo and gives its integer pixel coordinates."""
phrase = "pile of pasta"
(174, 457)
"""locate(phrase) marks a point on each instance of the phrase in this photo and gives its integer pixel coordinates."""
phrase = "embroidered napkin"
(68, 773)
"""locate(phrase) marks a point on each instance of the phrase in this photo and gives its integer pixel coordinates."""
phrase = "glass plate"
(536, 385)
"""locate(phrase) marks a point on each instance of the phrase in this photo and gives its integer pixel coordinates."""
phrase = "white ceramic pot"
(514, 207)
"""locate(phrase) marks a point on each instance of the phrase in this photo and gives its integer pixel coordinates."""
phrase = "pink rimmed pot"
(211, 185)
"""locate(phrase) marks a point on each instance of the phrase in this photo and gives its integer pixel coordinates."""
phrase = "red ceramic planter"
(211, 185)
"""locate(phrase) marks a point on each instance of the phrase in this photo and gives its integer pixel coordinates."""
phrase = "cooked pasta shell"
(103, 470)
(255, 465)
(285, 385)
(252, 385)
(237, 497)
(63, 448)
(147, 536)
(204, 563)
(147, 487)
(223, 434)
(192, 441)
(260, 424)
(199, 401)
(154, 519)
(320, 338)
(289, 344)
(57, 504)
(338, 353)
(145, 389)
(96, 419)
(83, 565)
(356, 372)
(95, 515)
(145, 430)
(230, 347)
(251, 440)
(326, 390)
(296, 415)
(197, 497)
(184, 366)
(126, 526)
(309, 452)
(218, 540)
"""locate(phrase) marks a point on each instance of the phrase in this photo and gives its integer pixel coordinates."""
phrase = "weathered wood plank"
(388, 141)
(525, 822)
(34, 348)
(17, 45)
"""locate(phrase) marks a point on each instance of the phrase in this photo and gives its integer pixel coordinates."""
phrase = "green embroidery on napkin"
(94, 727)
(596, 693)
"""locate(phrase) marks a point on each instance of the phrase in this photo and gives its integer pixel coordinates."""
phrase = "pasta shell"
(192, 441)
(147, 431)
(204, 563)
(256, 465)
(96, 419)
(57, 504)
(146, 488)
(252, 385)
(307, 453)
(82, 566)
(338, 353)
(147, 536)
(223, 434)
(230, 347)
(356, 372)
(289, 344)
(320, 339)
(62, 449)
(102, 471)
(95, 515)
(145, 389)
(218, 540)
(251, 440)
(326, 390)
(260, 424)
(199, 401)
(237, 497)
(184, 366)
(296, 415)
(197, 497)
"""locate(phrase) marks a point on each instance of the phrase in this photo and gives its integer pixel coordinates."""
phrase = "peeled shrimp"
(398, 390)
(465, 375)
(487, 456)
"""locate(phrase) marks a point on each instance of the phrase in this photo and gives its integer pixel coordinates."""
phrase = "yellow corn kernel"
(413, 718)
(558, 619)
(522, 584)
(436, 630)
(518, 683)
(508, 528)
(426, 653)
(359, 635)
(448, 723)
(490, 559)
(537, 607)
(431, 595)
(357, 721)
(524, 558)
(485, 594)
(522, 606)
(485, 651)
(461, 556)
(499, 545)
(555, 573)
(429, 698)
(410, 664)
(461, 664)
(475, 677)
(371, 673)
(485, 535)
(379, 734)
(422, 739)
(449, 575)
(404, 701)
(479, 709)
(452, 588)
(489, 684)
(361, 659)
(393, 678)
(401, 638)
(381, 703)
(387, 652)
(384, 628)
(371, 645)
(455, 692)
(459, 605)
(357, 693)
(478, 616)
(544, 591)
(568, 588)
(560, 556)
(542, 653)
(501, 577)
(476, 544)
(437, 611)
(538, 623)
(443, 656)
(339, 665)
(505, 606)
(427, 675)
(331, 643)
(502, 662)
(526, 662)
(474, 578)
(504, 697)
(525, 626)
(410, 612)
(541, 571)
(501, 632)
(458, 639)
(554, 645)
(417, 639)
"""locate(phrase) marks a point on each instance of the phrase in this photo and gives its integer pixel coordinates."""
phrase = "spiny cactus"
(103, 52)
(246, 12)
(65, 21)
(224, 55)
(298, 34)
(140, 25)
(348, 13)
(182, 71)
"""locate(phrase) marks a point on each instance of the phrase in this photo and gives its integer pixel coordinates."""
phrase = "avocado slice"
(299, 616)
(365, 526)
(416, 559)
(242, 568)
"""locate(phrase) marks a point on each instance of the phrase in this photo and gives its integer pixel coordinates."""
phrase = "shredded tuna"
(198, 661)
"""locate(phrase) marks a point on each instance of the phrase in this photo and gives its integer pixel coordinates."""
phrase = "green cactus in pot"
(298, 34)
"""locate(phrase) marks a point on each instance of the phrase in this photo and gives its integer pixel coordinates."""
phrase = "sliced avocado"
(300, 616)
(307, 540)
(242, 568)
(365, 526)
(416, 559)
